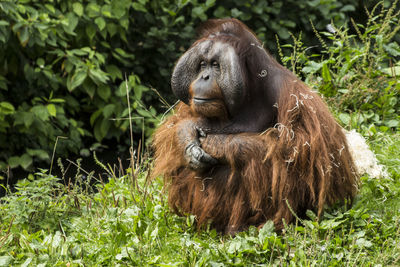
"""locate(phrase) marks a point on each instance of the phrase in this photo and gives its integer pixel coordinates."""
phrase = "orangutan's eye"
(215, 64)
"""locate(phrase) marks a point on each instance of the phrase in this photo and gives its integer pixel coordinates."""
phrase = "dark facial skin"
(209, 74)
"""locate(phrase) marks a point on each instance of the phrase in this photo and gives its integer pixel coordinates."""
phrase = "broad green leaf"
(90, 31)
(112, 29)
(94, 116)
(50, 8)
(97, 132)
(331, 224)
(104, 91)
(144, 113)
(383, 128)
(310, 214)
(344, 118)
(108, 110)
(24, 36)
(326, 73)
(312, 67)
(90, 88)
(41, 112)
(119, 9)
(392, 123)
(77, 79)
(92, 9)
(40, 62)
(114, 72)
(362, 242)
(210, 3)
(138, 90)
(98, 76)
(100, 22)
(347, 8)
(236, 13)
(6, 108)
(84, 152)
(13, 162)
(393, 49)
(38, 153)
(121, 91)
(78, 8)
(25, 161)
(52, 110)
(100, 57)
(283, 33)
(27, 118)
(124, 54)
(198, 11)
(4, 23)
(124, 23)
(104, 127)
(81, 131)
(72, 22)
(78, 52)
(139, 7)
(101, 129)
(106, 11)
(267, 230)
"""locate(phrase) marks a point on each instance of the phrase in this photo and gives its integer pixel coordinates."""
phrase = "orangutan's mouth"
(198, 100)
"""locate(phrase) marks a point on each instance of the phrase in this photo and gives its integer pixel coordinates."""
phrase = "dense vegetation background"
(65, 70)
(65, 65)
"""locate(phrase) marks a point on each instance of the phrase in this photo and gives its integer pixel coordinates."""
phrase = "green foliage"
(127, 222)
(64, 63)
(357, 72)
(66, 70)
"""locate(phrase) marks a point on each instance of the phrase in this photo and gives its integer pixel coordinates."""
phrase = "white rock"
(364, 159)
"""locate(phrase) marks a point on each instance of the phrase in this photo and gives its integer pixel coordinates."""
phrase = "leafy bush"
(64, 76)
(356, 72)
(64, 65)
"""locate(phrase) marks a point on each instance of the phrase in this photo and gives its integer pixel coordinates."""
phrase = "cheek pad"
(184, 73)
(231, 81)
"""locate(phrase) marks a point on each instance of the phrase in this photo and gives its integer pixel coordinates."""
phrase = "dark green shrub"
(63, 74)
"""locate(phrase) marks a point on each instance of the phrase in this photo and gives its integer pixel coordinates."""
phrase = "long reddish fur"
(303, 162)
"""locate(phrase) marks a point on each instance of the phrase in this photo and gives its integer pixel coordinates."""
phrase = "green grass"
(47, 223)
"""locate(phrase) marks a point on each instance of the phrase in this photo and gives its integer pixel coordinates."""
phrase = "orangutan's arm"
(234, 148)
